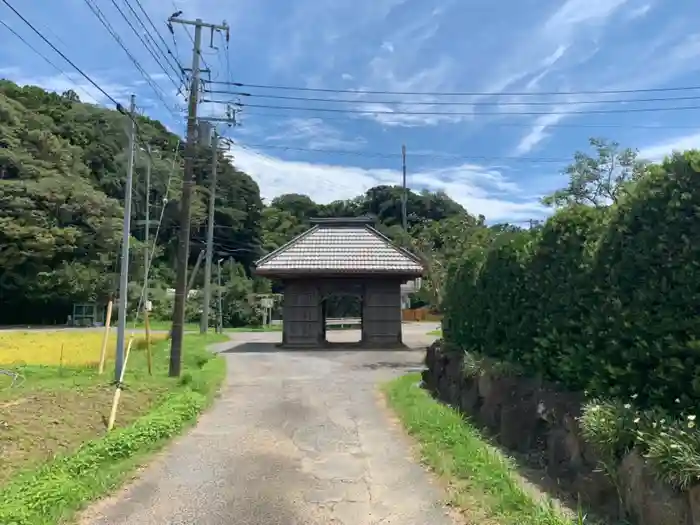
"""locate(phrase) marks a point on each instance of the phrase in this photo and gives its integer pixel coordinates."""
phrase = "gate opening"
(342, 317)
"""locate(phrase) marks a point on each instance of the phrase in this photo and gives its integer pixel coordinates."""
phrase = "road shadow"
(259, 347)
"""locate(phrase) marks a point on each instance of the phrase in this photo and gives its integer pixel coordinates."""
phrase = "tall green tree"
(600, 179)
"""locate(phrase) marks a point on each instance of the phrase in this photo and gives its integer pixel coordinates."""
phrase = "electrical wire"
(103, 20)
(180, 71)
(380, 155)
(459, 113)
(61, 54)
(82, 73)
(453, 103)
(152, 249)
(44, 57)
(460, 93)
(152, 46)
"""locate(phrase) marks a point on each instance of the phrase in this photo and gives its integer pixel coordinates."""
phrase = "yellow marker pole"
(149, 356)
(105, 338)
(118, 390)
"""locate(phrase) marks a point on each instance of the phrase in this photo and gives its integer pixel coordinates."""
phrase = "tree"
(62, 181)
(599, 180)
(441, 243)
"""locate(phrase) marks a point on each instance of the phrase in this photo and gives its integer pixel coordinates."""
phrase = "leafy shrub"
(670, 444)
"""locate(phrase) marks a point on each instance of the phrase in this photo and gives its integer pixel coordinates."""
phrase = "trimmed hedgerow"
(602, 300)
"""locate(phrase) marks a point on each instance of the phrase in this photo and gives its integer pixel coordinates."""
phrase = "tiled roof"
(340, 248)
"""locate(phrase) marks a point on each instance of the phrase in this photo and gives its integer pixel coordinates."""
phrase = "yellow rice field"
(71, 348)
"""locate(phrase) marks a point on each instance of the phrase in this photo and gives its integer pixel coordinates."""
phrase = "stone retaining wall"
(541, 425)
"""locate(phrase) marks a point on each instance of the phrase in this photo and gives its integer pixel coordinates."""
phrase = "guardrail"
(339, 321)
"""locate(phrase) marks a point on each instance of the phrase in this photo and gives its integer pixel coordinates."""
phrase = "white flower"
(634, 396)
(691, 418)
(678, 400)
(627, 406)
(636, 420)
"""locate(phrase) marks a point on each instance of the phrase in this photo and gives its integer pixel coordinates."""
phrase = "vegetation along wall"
(602, 299)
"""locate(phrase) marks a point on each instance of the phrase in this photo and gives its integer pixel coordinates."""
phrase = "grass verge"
(483, 482)
(436, 333)
(45, 491)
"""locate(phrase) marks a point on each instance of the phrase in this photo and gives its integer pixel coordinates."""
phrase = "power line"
(152, 47)
(459, 93)
(381, 155)
(180, 71)
(503, 124)
(444, 103)
(459, 113)
(82, 73)
(62, 55)
(44, 57)
(103, 20)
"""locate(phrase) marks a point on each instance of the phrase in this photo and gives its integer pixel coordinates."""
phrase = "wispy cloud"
(640, 11)
(644, 64)
(568, 19)
(314, 133)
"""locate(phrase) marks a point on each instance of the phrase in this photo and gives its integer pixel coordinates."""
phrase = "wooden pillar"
(381, 313)
(303, 317)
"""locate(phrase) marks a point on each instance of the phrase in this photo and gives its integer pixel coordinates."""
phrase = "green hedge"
(55, 491)
(598, 299)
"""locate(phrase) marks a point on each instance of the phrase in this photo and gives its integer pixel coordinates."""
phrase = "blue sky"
(498, 163)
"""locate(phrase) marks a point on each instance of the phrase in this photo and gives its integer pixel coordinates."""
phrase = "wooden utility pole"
(220, 302)
(183, 251)
(204, 324)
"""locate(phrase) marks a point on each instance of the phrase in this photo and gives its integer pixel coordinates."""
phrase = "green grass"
(71, 408)
(436, 333)
(483, 482)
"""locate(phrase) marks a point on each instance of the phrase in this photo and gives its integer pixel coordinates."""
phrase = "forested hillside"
(62, 175)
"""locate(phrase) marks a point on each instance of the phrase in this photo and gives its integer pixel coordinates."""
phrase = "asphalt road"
(295, 438)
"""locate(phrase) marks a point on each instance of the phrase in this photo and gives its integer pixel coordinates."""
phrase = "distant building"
(407, 289)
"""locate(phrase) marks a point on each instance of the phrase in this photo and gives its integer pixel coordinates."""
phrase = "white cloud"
(656, 152)
(69, 81)
(480, 190)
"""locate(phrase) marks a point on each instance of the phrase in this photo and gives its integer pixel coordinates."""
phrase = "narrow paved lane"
(296, 438)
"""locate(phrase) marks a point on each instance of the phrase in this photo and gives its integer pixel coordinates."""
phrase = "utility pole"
(146, 256)
(204, 325)
(126, 234)
(404, 195)
(220, 313)
(186, 198)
